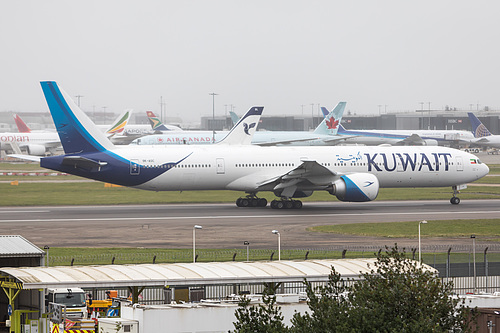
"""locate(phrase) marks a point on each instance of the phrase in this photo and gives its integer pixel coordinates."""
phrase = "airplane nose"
(485, 169)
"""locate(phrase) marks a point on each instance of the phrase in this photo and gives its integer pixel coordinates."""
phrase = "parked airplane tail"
(21, 125)
(324, 111)
(77, 132)
(155, 122)
(234, 117)
(242, 132)
(478, 129)
(330, 124)
(119, 124)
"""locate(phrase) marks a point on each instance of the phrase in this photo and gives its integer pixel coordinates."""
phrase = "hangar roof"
(184, 273)
(18, 246)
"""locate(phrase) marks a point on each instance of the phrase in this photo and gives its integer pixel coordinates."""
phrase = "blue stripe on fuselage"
(116, 171)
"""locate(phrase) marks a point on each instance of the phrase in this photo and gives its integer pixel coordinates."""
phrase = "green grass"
(484, 228)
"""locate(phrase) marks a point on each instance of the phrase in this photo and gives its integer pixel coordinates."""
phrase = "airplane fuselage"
(215, 167)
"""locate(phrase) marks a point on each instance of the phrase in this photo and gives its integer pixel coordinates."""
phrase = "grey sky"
(279, 54)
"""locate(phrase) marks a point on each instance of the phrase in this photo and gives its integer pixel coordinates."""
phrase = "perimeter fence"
(452, 260)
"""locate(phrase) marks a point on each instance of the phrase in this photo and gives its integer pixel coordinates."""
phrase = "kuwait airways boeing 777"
(349, 173)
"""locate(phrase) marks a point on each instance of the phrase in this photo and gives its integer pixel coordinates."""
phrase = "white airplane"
(351, 174)
(404, 137)
(39, 143)
(482, 136)
(324, 134)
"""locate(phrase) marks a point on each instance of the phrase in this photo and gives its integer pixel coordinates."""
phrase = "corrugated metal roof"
(18, 246)
(185, 273)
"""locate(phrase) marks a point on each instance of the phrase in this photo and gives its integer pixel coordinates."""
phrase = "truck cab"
(74, 299)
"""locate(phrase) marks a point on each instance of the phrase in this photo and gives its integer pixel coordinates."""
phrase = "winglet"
(478, 129)
(330, 124)
(77, 132)
(21, 125)
(242, 132)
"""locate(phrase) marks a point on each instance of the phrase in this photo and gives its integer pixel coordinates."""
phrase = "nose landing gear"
(456, 190)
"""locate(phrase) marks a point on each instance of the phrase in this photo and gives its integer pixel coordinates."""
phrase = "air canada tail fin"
(330, 124)
(21, 125)
(119, 124)
(234, 117)
(478, 129)
(77, 132)
(242, 133)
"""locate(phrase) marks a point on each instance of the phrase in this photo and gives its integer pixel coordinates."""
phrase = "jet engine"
(37, 150)
(357, 187)
(430, 142)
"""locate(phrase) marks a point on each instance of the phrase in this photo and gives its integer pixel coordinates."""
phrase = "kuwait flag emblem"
(472, 161)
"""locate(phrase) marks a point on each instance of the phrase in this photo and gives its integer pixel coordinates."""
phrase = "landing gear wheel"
(279, 204)
(288, 204)
(244, 202)
(455, 200)
(297, 204)
(262, 202)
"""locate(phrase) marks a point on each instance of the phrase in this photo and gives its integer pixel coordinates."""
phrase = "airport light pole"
(247, 244)
(46, 248)
(419, 245)
(194, 241)
(279, 243)
(474, 260)
(213, 115)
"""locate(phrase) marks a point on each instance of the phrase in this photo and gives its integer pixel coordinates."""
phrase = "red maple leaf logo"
(332, 123)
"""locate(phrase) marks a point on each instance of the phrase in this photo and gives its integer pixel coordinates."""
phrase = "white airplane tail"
(242, 132)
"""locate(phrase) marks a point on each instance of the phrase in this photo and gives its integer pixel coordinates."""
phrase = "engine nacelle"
(357, 187)
(430, 142)
(37, 150)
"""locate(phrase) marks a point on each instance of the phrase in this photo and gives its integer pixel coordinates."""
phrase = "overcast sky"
(278, 54)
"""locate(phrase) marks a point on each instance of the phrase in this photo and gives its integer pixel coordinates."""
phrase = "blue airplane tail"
(330, 124)
(77, 132)
(478, 129)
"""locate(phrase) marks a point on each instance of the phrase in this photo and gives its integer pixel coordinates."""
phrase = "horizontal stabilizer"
(31, 158)
(82, 162)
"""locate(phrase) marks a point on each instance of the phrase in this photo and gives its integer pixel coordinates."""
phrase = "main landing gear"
(283, 203)
(251, 201)
(455, 200)
(286, 204)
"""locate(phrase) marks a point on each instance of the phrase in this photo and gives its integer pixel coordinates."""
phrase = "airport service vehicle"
(73, 298)
(350, 173)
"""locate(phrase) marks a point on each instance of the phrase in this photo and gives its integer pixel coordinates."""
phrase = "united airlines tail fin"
(119, 124)
(77, 132)
(324, 111)
(329, 125)
(478, 129)
(21, 125)
(242, 132)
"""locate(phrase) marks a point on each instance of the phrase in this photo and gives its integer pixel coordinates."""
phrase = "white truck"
(74, 299)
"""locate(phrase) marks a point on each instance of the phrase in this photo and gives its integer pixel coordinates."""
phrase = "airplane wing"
(412, 140)
(31, 158)
(282, 142)
(308, 174)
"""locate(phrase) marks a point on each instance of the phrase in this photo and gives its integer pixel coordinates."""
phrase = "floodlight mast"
(194, 241)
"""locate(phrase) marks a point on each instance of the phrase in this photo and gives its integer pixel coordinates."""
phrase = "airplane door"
(135, 168)
(459, 163)
(220, 166)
